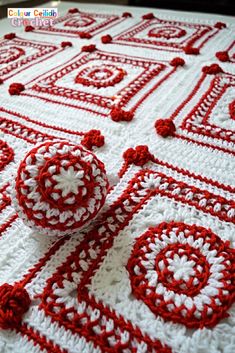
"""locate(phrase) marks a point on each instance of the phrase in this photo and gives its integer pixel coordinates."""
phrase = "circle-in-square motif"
(100, 76)
(184, 273)
(83, 21)
(10, 54)
(167, 32)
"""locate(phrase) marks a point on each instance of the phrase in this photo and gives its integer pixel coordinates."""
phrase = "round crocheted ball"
(59, 187)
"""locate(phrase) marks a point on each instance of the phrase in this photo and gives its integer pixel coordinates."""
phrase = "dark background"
(211, 6)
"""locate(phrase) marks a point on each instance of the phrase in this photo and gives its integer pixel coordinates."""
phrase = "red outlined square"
(71, 296)
(19, 54)
(211, 119)
(166, 35)
(99, 81)
(71, 25)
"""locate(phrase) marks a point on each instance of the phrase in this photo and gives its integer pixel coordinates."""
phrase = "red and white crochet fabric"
(152, 95)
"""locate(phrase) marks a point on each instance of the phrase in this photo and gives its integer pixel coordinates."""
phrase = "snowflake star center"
(69, 181)
(181, 267)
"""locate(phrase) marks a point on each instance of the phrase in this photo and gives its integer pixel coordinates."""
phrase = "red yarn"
(66, 44)
(92, 138)
(191, 51)
(220, 25)
(73, 10)
(85, 35)
(222, 56)
(165, 127)
(10, 36)
(89, 48)
(212, 69)
(29, 28)
(14, 302)
(126, 14)
(118, 114)
(177, 62)
(231, 108)
(1, 81)
(106, 39)
(148, 16)
(16, 88)
(138, 156)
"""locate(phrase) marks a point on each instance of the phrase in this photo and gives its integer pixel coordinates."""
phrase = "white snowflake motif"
(69, 180)
(181, 267)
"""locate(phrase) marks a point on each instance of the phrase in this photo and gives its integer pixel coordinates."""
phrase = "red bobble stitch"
(73, 10)
(191, 51)
(126, 14)
(10, 36)
(222, 56)
(14, 302)
(177, 62)
(66, 44)
(29, 28)
(106, 39)
(92, 138)
(89, 48)
(118, 114)
(1, 81)
(220, 25)
(148, 16)
(165, 127)
(212, 69)
(138, 156)
(85, 35)
(231, 108)
(15, 88)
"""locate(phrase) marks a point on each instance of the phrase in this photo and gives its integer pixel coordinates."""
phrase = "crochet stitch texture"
(117, 236)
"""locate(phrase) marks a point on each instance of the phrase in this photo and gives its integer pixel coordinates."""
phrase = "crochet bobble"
(92, 138)
(165, 127)
(138, 156)
(16, 88)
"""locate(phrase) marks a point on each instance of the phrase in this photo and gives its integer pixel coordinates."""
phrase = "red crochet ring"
(92, 138)
(220, 25)
(14, 302)
(66, 44)
(138, 156)
(126, 14)
(29, 28)
(213, 69)
(85, 35)
(177, 62)
(148, 16)
(191, 51)
(165, 127)
(73, 10)
(59, 187)
(89, 48)
(118, 114)
(106, 39)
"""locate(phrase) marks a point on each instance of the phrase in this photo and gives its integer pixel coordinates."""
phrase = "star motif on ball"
(68, 181)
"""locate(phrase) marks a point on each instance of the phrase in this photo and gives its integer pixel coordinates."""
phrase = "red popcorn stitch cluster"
(16, 89)
(118, 114)
(148, 16)
(220, 25)
(177, 62)
(222, 56)
(126, 14)
(73, 10)
(85, 35)
(191, 51)
(106, 39)
(165, 127)
(231, 108)
(10, 36)
(66, 44)
(92, 138)
(59, 187)
(29, 28)
(14, 303)
(212, 69)
(139, 155)
(89, 48)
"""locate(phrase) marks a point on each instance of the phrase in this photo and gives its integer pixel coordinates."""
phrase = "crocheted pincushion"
(59, 187)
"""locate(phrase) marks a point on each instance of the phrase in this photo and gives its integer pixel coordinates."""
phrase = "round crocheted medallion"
(10, 54)
(100, 76)
(167, 32)
(80, 22)
(184, 273)
(59, 187)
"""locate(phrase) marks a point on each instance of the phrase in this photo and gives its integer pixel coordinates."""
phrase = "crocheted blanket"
(152, 94)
